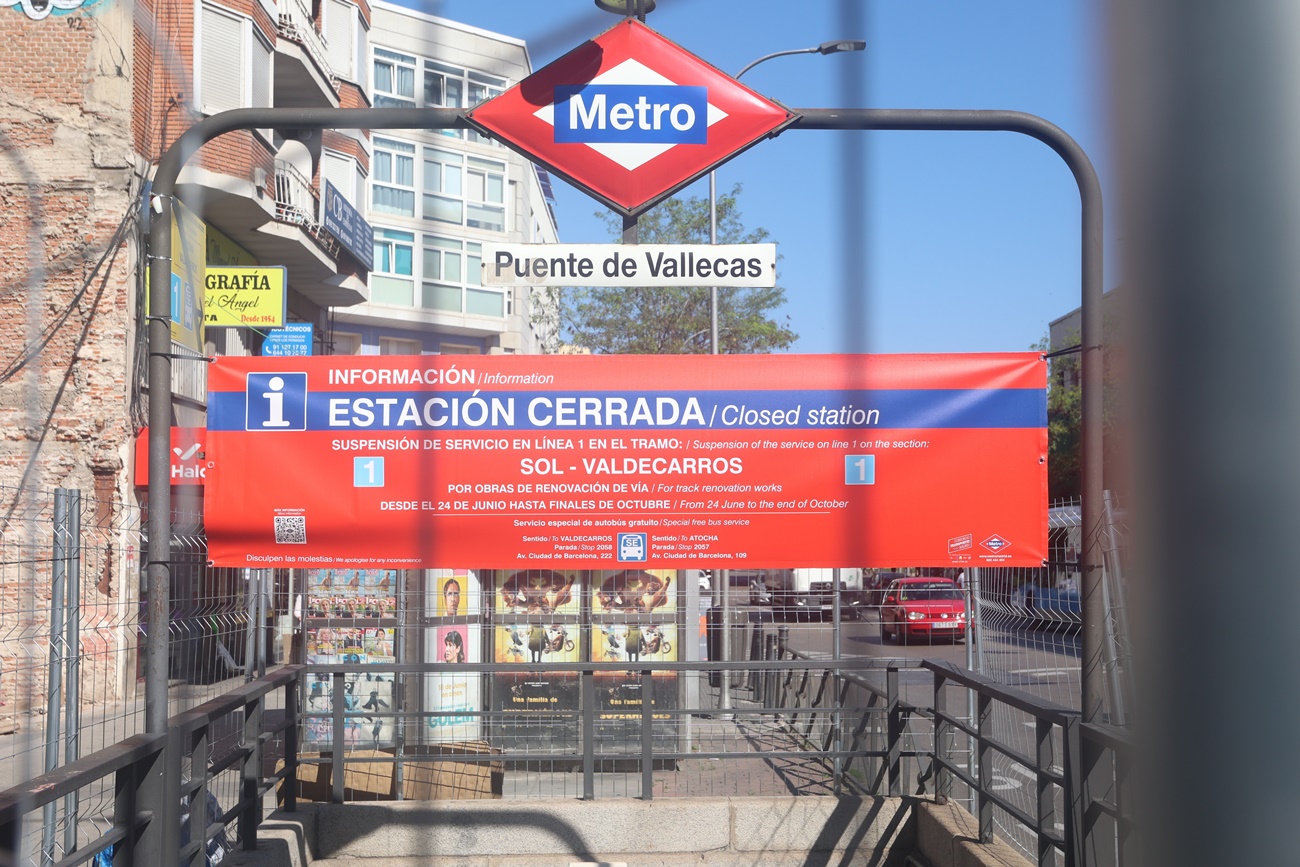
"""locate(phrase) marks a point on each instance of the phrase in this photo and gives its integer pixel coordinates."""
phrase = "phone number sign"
(593, 462)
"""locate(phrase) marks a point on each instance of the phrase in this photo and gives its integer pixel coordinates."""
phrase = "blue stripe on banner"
(277, 407)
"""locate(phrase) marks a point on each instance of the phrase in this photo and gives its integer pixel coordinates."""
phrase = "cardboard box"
(451, 780)
(445, 779)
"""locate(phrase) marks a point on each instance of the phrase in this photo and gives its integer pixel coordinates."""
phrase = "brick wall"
(67, 295)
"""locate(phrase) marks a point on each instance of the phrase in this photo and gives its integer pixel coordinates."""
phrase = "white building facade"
(434, 197)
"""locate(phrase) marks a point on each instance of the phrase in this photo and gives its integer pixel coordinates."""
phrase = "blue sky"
(969, 241)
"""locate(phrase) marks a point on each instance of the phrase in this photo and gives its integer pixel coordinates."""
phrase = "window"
(344, 172)
(394, 80)
(393, 169)
(399, 346)
(234, 68)
(459, 349)
(343, 30)
(452, 279)
(448, 273)
(448, 86)
(454, 188)
(443, 188)
(345, 343)
(392, 279)
(485, 195)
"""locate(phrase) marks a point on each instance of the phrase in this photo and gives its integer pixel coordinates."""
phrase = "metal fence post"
(290, 781)
(1076, 787)
(984, 806)
(251, 775)
(588, 735)
(54, 688)
(894, 737)
(198, 753)
(943, 739)
(337, 736)
(147, 845)
(72, 646)
(647, 737)
(1046, 793)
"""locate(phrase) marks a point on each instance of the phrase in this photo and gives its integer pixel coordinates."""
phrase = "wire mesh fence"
(72, 619)
(72, 632)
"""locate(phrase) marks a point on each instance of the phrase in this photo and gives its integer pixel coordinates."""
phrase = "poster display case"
(452, 635)
(351, 618)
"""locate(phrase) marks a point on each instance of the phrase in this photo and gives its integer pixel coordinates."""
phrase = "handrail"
(49, 787)
(229, 702)
(1055, 713)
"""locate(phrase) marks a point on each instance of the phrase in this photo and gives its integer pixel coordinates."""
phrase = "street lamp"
(834, 47)
(721, 587)
(628, 8)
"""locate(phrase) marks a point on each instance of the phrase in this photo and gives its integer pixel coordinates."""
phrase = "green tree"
(654, 321)
(1065, 422)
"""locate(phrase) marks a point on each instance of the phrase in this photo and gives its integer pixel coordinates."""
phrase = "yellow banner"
(253, 297)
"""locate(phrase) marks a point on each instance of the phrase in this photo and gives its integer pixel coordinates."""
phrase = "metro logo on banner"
(630, 117)
(589, 462)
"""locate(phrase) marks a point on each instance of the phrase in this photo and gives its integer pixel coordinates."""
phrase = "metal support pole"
(894, 734)
(337, 737)
(72, 692)
(588, 736)
(647, 737)
(250, 777)
(290, 782)
(263, 589)
(250, 616)
(837, 731)
(54, 689)
(984, 804)
(199, 750)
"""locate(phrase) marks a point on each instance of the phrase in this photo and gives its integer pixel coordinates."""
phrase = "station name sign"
(596, 462)
(629, 265)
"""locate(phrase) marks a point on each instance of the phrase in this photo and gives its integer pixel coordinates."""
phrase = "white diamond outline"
(630, 155)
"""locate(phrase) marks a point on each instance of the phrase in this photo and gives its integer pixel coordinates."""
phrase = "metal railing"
(296, 25)
(159, 779)
(861, 726)
(298, 202)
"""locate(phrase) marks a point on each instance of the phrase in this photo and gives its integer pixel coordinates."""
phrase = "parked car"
(923, 608)
(874, 586)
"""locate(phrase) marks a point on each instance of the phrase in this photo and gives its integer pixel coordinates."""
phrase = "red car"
(929, 607)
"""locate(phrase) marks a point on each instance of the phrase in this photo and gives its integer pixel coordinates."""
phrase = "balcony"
(302, 71)
(278, 230)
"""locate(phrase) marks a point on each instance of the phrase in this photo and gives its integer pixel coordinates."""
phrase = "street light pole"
(834, 47)
(722, 586)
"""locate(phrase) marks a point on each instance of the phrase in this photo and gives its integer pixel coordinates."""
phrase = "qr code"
(291, 529)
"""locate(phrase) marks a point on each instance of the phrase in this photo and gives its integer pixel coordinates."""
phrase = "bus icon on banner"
(632, 547)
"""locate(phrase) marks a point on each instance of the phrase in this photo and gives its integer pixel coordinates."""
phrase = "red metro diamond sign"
(630, 117)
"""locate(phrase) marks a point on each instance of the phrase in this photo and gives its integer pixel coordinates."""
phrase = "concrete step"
(775, 831)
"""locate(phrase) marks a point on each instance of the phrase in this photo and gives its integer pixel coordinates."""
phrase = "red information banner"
(606, 462)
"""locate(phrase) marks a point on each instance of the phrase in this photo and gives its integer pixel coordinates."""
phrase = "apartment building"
(436, 195)
(94, 93)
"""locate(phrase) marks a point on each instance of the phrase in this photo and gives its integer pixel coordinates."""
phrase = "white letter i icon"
(276, 399)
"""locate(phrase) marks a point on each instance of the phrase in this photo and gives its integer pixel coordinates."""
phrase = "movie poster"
(453, 698)
(537, 623)
(366, 698)
(453, 605)
(635, 612)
